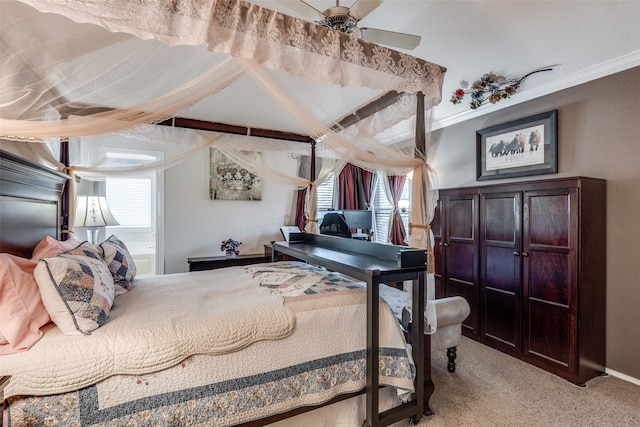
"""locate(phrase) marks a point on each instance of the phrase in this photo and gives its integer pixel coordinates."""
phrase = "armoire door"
(550, 246)
(501, 270)
(460, 253)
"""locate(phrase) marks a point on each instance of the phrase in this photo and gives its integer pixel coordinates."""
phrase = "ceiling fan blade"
(362, 8)
(391, 38)
(303, 9)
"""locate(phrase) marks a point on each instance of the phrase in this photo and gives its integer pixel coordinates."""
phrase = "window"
(382, 208)
(325, 192)
(134, 202)
(130, 201)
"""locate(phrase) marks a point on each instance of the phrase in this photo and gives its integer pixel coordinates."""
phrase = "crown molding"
(603, 69)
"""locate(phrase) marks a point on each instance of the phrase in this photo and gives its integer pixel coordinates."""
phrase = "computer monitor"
(358, 219)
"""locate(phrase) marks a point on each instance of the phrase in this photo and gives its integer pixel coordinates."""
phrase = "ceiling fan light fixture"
(355, 31)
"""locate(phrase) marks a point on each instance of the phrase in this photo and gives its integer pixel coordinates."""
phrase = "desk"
(375, 263)
(268, 251)
(213, 262)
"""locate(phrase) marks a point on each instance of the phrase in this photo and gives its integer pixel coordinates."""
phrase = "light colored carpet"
(490, 388)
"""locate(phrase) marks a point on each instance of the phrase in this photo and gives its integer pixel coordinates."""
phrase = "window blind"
(130, 200)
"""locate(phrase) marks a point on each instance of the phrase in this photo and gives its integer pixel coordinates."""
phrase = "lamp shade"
(93, 211)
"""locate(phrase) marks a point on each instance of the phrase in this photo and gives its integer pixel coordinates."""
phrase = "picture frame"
(523, 147)
(230, 181)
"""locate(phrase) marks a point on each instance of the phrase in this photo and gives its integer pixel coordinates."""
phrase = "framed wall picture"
(230, 181)
(523, 147)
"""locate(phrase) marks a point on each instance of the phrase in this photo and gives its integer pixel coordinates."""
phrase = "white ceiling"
(582, 40)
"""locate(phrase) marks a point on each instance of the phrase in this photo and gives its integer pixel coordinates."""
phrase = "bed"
(83, 88)
(146, 365)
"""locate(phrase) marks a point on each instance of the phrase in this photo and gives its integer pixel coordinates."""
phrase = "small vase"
(230, 253)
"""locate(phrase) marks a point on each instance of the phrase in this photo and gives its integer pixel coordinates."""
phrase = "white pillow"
(77, 291)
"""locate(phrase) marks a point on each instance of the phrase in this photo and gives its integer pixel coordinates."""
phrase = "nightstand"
(4, 382)
(213, 262)
(268, 252)
(268, 249)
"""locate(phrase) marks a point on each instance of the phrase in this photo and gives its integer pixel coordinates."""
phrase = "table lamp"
(93, 212)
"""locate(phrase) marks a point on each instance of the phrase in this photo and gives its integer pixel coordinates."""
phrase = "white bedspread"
(154, 326)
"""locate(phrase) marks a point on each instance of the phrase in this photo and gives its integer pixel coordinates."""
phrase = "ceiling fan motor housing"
(346, 19)
(338, 18)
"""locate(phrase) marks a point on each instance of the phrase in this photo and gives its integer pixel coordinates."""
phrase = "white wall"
(195, 225)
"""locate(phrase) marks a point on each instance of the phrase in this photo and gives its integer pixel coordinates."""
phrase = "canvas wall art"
(230, 181)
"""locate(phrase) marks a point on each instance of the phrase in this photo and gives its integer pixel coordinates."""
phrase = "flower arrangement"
(491, 87)
(231, 245)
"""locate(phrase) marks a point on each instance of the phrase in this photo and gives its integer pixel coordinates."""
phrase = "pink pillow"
(22, 312)
(49, 247)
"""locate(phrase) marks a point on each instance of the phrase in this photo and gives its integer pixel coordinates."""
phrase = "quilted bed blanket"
(324, 356)
(157, 325)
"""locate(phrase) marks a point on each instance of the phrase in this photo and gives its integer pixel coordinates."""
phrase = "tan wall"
(598, 136)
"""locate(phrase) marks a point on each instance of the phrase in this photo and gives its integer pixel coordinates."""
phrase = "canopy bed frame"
(66, 102)
(227, 26)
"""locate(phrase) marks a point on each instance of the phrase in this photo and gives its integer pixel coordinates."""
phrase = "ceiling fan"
(346, 19)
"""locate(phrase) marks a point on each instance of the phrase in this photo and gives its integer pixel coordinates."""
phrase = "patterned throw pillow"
(84, 249)
(77, 291)
(120, 263)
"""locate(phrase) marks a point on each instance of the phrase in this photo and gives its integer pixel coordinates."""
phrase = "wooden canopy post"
(312, 172)
(66, 192)
(420, 125)
(424, 374)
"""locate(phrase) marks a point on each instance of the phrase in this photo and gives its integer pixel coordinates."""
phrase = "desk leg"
(422, 360)
(429, 387)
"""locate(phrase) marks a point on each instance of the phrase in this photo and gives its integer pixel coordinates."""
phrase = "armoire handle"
(516, 253)
(525, 254)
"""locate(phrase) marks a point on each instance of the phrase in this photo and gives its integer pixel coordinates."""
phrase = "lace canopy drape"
(77, 70)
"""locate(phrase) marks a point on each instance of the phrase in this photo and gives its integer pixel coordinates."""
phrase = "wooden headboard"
(29, 204)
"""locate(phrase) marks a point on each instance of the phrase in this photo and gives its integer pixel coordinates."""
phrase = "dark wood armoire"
(530, 258)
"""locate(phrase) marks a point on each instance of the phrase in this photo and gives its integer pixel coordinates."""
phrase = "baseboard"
(622, 376)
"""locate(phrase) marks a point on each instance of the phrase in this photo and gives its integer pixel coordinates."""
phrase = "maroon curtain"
(398, 234)
(366, 178)
(348, 187)
(300, 220)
